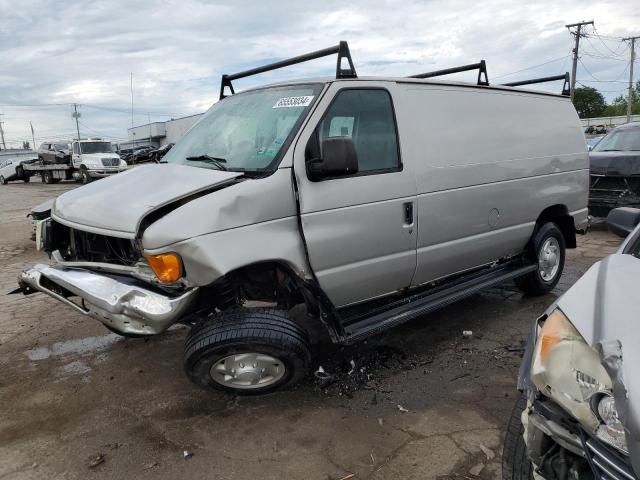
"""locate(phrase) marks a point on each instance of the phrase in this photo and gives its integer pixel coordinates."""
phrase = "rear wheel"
(3, 181)
(247, 352)
(47, 177)
(515, 462)
(26, 179)
(547, 250)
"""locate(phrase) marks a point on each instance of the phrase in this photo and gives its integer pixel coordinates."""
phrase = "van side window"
(75, 148)
(365, 116)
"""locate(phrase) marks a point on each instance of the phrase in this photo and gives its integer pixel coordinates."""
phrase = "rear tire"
(3, 181)
(547, 251)
(247, 352)
(26, 179)
(515, 462)
(47, 177)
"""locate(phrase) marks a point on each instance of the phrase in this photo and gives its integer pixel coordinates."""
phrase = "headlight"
(166, 266)
(566, 369)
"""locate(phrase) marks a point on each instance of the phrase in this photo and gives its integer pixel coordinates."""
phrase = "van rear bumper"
(118, 302)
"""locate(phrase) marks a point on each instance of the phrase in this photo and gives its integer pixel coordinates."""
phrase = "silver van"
(369, 201)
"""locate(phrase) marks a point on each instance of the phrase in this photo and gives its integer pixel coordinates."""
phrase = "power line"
(616, 53)
(532, 67)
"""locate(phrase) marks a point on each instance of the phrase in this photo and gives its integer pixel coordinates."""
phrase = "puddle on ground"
(79, 346)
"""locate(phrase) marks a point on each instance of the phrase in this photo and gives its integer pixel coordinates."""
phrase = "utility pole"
(4, 145)
(574, 68)
(149, 114)
(76, 115)
(33, 137)
(631, 60)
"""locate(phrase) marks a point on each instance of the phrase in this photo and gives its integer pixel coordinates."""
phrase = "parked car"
(615, 170)
(593, 141)
(55, 152)
(577, 418)
(369, 202)
(95, 158)
(11, 167)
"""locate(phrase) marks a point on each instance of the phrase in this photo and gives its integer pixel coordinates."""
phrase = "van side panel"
(487, 163)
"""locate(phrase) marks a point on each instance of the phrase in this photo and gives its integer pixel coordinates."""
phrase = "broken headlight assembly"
(567, 370)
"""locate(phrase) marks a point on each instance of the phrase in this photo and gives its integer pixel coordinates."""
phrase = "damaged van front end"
(579, 415)
(99, 264)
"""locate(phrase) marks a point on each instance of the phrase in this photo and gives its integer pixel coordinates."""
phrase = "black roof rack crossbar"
(566, 87)
(481, 66)
(342, 49)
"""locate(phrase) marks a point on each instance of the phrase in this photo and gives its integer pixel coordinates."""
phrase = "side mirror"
(339, 159)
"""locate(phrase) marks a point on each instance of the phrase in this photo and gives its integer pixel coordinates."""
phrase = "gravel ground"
(417, 402)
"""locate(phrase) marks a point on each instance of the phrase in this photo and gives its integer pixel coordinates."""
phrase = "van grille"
(609, 465)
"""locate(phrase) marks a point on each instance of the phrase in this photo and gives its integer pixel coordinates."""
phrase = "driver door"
(360, 229)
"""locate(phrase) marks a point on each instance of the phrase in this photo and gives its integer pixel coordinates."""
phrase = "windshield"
(247, 131)
(95, 147)
(623, 140)
(61, 146)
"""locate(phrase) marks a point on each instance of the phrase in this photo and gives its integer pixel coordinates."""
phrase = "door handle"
(408, 214)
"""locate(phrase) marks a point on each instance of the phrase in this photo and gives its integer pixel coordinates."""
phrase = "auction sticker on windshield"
(301, 101)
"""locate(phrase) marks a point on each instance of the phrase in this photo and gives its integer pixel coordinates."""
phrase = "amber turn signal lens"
(166, 266)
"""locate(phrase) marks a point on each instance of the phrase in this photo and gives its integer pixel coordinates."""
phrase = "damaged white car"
(579, 416)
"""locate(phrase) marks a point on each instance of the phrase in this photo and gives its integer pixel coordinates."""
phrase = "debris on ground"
(402, 409)
(380, 421)
(96, 460)
(149, 466)
(351, 475)
(488, 452)
(353, 367)
(187, 454)
(467, 333)
(476, 469)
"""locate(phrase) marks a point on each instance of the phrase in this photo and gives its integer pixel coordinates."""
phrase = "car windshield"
(95, 147)
(247, 131)
(623, 140)
(61, 146)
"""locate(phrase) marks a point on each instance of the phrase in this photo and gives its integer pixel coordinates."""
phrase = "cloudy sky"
(55, 53)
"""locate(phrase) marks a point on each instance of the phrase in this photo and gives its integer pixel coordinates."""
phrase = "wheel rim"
(247, 370)
(549, 259)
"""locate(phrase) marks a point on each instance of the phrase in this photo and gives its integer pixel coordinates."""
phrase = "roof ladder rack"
(480, 66)
(342, 49)
(566, 87)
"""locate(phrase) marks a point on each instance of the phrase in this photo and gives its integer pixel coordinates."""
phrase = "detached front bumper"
(119, 302)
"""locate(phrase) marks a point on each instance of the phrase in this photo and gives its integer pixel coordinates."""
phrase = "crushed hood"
(604, 305)
(614, 164)
(118, 203)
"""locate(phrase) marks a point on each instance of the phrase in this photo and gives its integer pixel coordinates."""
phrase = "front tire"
(84, 176)
(515, 462)
(3, 181)
(547, 251)
(247, 352)
(47, 177)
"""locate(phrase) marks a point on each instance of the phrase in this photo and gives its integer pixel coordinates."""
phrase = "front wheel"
(247, 352)
(3, 181)
(47, 177)
(515, 462)
(84, 176)
(547, 250)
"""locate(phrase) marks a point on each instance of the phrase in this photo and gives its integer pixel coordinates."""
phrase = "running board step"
(430, 302)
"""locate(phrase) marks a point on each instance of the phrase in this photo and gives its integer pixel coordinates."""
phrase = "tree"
(25, 145)
(619, 105)
(589, 102)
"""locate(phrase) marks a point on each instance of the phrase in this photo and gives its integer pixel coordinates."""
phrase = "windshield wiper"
(217, 161)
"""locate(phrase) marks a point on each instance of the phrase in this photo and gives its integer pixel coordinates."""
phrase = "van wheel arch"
(558, 214)
(273, 281)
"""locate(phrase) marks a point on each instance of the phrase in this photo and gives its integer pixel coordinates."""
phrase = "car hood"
(614, 164)
(116, 205)
(604, 307)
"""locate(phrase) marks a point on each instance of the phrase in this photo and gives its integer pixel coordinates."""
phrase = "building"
(157, 134)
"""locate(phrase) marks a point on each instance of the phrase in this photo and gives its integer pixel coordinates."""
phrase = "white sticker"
(302, 101)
